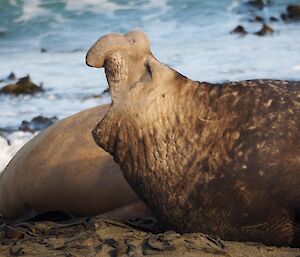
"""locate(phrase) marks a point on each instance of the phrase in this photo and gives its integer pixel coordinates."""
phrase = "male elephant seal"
(63, 169)
(222, 159)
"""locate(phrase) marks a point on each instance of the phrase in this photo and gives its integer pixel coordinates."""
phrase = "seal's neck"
(147, 130)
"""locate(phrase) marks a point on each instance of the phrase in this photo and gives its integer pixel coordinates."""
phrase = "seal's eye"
(132, 41)
(148, 69)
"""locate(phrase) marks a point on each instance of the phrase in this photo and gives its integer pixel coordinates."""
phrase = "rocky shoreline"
(252, 11)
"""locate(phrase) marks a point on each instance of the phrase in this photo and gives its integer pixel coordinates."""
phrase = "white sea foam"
(162, 4)
(100, 6)
(13, 2)
(296, 67)
(96, 6)
(17, 140)
(234, 4)
(32, 9)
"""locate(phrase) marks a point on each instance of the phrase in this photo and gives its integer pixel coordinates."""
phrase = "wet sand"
(96, 236)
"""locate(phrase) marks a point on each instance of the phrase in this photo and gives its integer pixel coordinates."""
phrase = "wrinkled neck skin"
(145, 129)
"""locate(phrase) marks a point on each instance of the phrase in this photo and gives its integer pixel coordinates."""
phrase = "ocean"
(48, 39)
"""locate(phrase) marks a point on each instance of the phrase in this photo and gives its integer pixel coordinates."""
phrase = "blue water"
(191, 36)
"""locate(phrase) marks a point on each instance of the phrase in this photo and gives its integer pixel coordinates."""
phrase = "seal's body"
(222, 159)
(62, 169)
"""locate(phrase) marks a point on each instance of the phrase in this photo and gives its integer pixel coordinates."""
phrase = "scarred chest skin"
(221, 159)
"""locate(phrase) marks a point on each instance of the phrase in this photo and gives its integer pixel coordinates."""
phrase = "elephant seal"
(221, 159)
(62, 169)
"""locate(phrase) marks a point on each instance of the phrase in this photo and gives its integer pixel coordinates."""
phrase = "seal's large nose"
(135, 41)
(106, 45)
(94, 57)
(89, 62)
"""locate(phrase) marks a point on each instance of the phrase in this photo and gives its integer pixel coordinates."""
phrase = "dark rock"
(44, 50)
(272, 18)
(293, 11)
(104, 92)
(256, 3)
(264, 30)
(284, 16)
(38, 123)
(239, 30)
(11, 76)
(23, 86)
(2, 131)
(259, 19)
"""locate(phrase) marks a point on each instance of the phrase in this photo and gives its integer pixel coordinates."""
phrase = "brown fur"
(222, 159)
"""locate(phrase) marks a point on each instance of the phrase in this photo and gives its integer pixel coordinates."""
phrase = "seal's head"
(133, 75)
(123, 58)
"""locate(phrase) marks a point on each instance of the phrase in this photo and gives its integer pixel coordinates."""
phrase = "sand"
(95, 236)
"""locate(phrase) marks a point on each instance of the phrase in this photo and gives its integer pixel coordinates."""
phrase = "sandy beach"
(99, 237)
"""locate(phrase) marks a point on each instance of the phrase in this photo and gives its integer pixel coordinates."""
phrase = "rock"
(23, 86)
(284, 17)
(264, 30)
(11, 76)
(272, 18)
(256, 3)
(293, 11)
(4, 137)
(103, 93)
(43, 50)
(258, 19)
(239, 30)
(37, 123)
